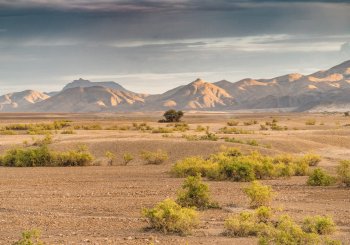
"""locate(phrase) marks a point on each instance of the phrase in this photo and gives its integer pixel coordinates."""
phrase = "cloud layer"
(42, 42)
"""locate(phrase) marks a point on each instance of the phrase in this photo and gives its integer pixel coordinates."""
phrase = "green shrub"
(195, 193)
(170, 217)
(7, 132)
(68, 131)
(343, 171)
(156, 157)
(192, 166)
(263, 214)
(259, 195)
(200, 128)
(241, 225)
(209, 136)
(44, 141)
(226, 130)
(110, 157)
(319, 224)
(92, 127)
(42, 156)
(310, 122)
(127, 157)
(232, 123)
(31, 237)
(320, 178)
(311, 159)
(161, 130)
(287, 232)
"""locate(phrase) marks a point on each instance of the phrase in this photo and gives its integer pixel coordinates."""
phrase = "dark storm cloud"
(52, 40)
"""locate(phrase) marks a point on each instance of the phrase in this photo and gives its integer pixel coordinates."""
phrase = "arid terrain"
(102, 204)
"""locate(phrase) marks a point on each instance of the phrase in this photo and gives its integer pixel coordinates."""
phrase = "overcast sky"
(151, 46)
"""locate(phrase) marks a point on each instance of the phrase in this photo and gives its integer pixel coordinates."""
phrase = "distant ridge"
(327, 90)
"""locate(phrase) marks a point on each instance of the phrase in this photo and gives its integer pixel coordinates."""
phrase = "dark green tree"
(173, 116)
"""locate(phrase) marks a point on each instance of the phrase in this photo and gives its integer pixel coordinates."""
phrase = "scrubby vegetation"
(227, 130)
(156, 157)
(127, 157)
(170, 217)
(34, 129)
(195, 193)
(310, 122)
(319, 224)
(43, 156)
(282, 231)
(232, 123)
(31, 237)
(259, 195)
(343, 171)
(238, 167)
(320, 178)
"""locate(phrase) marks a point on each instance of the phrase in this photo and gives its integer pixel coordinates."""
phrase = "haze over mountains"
(327, 90)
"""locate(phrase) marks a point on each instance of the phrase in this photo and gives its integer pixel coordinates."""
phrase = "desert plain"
(101, 204)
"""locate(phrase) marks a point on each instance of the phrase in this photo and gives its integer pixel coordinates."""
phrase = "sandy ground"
(102, 204)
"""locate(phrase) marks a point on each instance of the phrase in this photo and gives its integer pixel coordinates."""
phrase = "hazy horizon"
(153, 46)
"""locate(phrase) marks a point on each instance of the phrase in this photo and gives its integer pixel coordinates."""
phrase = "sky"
(151, 46)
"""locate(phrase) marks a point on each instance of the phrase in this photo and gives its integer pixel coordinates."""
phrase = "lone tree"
(172, 116)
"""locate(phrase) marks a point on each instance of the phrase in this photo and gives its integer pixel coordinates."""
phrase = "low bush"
(170, 217)
(319, 224)
(310, 122)
(230, 164)
(31, 237)
(195, 193)
(68, 131)
(241, 225)
(42, 156)
(127, 157)
(161, 130)
(200, 128)
(343, 172)
(320, 178)
(232, 123)
(156, 157)
(248, 223)
(286, 232)
(259, 195)
(193, 166)
(227, 130)
(110, 157)
(311, 159)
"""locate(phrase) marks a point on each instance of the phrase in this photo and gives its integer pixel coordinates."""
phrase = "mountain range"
(327, 90)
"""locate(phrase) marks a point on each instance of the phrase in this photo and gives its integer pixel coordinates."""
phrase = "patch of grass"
(31, 237)
(156, 157)
(310, 122)
(68, 131)
(259, 195)
(195, 193)
(200, 128)
(319, 224)
(227, 130)
(170, 217)
(161, 130)
(7, 132)
(320, 178)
